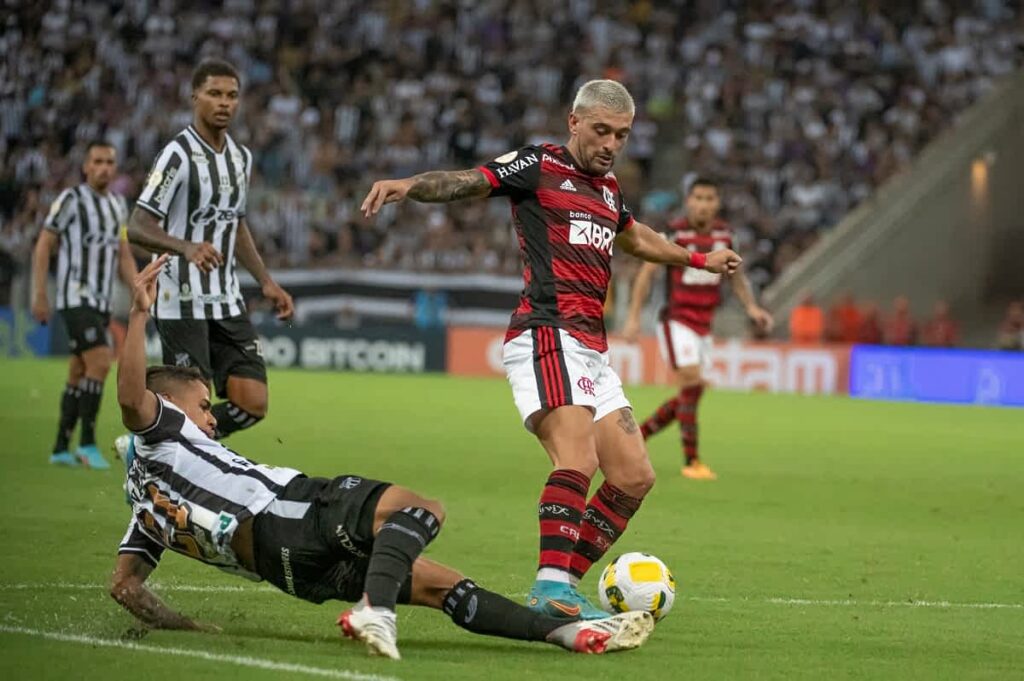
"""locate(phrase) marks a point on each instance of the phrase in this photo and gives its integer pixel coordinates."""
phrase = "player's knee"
(97, 366)
(688, 377)
(124, 590)
(436, 508)
(254, 404)
(637, 481)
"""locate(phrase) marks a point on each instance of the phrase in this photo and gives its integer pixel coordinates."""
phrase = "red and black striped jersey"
(692, 294)
(566, 222)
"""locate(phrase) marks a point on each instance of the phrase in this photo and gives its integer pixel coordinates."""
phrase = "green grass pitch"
(844, 539)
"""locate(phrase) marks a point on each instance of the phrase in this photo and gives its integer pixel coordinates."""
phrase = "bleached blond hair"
(609, 94)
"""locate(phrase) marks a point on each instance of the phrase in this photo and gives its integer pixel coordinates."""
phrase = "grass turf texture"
(858, 507)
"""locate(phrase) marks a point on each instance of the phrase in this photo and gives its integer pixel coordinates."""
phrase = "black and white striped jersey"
(189, 493)
(200, 195)
(89, 225)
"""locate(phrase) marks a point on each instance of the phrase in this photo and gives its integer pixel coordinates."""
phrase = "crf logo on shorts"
(587, 233)
(586, 385)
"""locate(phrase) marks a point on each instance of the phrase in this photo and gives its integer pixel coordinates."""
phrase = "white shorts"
(548, 368)
(681, 346)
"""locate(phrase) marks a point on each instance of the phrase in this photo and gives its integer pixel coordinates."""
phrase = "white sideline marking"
(241, 661)
(199, 588)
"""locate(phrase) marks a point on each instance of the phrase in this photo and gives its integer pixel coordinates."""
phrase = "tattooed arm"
(128, 588)
(436, 186)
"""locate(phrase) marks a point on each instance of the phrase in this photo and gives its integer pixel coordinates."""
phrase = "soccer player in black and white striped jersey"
(346, 538)
(193, 207)
(86, 227)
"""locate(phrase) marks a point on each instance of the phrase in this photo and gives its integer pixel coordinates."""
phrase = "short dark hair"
(702, 181)
(163, 377)
(93, 144)
(213, 67)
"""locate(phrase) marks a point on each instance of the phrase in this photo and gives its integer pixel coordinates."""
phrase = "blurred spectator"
(806, 322)
(870, 331)
(844, 320)
(940, 330)
(800, 108)
(1011, 330)
(900, 328)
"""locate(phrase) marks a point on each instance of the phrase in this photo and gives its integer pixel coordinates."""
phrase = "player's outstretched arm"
(251, 260)
(435, 186)
(144, 230)
(760, 316)
(45, 245)
(126, 267)
(637, 298)
(139, 406)
(646, 244)
(128, 588)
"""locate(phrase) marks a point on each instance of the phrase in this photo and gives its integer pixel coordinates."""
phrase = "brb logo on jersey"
(583, 231)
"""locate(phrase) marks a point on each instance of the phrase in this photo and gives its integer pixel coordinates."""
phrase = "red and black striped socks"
(686, 414)
(604, 521)
(664, 415)
(561, 509)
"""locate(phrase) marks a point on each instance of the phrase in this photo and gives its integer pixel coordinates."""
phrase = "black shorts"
(87, 328)
(217, 347)
(324, 554)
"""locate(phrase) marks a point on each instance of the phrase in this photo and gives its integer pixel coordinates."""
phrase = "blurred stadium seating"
(800, 108)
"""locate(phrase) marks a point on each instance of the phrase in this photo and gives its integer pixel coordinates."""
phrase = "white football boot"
(618, 632)
(376, 627)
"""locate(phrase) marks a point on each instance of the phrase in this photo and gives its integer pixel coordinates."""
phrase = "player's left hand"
(144, 284)
(761, 318)
(283, 303)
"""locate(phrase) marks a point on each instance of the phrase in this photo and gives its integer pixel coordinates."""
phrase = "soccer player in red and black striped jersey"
(568, 214)
(684, 330)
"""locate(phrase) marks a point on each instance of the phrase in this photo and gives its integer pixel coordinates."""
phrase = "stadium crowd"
(799, 108)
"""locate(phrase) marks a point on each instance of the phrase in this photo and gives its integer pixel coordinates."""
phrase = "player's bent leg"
(484, 612)
(246, 405)
(68, 414)
(628, 475)
(97, 361)
(404, 523)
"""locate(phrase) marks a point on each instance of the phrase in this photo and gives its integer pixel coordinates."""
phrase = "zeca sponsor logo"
(516, 166)
(201, 217)
(100, 239)
(583, 231)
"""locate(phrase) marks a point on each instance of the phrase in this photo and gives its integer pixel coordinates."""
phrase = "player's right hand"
(144, 284)
(204, 256)
(41, 309)
(384, 191)
(725, 261)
